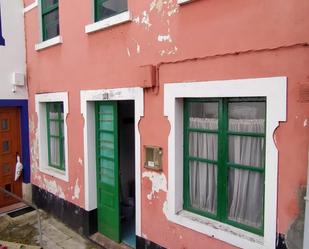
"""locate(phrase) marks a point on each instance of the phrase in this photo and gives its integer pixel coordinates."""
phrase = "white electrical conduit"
(306, 221)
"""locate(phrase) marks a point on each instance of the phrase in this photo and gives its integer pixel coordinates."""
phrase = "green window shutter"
(50, 19)
(199, 159)
(55, 135)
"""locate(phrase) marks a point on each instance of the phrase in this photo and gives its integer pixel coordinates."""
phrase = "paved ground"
(24, 229)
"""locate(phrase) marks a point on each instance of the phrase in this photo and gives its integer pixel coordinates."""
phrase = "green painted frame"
(58, 107)
(222, 163)
(45, 11)
(111, 230)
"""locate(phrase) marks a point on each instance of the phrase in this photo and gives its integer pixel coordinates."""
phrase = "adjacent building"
(14, 131)
(170, 124)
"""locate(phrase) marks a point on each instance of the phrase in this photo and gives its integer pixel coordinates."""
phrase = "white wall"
(12, 55)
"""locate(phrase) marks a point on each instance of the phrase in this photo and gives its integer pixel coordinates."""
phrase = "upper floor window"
(108, 8)
(224, 142)
(50, 19)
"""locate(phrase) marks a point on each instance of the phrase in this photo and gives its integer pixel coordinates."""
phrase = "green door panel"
(107, 169)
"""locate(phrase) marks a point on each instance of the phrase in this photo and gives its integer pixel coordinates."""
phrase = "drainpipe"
(306, 221)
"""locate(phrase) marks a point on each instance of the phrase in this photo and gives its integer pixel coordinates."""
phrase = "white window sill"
(218, 230)
(109, 22)
(48, 43)
(62, 175)
(184, 1)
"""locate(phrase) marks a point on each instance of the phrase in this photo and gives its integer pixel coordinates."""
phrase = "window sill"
(49, 43)
(109, 22)
(181, 2)
(218, 230)
(62, 175)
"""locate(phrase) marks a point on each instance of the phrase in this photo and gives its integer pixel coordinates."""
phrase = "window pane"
(107, 168)
(203, 115)
(106, 118)
(54, 128)
(55, 151)
(5, 146)
(108, 8)
(49, 3)
(203, 186)
(247, 116)
(107, 145)
(245, 197)
(203, 145)
(51, 24)
(246, 150)
(4, 124)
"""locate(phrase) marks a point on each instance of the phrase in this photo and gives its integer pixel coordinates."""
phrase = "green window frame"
(99, 15)
(222, 162)
(48, 9)
(55, 135)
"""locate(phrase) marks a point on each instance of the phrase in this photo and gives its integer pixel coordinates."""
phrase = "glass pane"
(54, 128)
(62, 163)
(5, 146)
(108, 8)
(203, 115)
(107, 171)
(4, 124)
(247, 116)
(49, 3)
(245, 197)
(55, 151)
(6, 169)
(106, 118)
(51, 24)
(246, 150)
(203, 186)
(203, 145)
(107, 145)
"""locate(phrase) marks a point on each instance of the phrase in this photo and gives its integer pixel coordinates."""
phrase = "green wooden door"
(107, 170)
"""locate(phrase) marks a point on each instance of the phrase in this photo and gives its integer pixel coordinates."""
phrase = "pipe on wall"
(306, 221)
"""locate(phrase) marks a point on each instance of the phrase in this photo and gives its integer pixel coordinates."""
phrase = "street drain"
(20, 212)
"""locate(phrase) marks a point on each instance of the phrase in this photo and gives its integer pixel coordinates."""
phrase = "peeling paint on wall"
(164, 38)
(80, 161)
(76, 191)
(158, 181)
(52, 187)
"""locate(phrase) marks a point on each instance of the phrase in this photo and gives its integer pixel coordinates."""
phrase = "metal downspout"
(306, 219)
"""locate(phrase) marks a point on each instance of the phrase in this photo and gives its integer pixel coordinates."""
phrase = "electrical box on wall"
(18, 79)
(153, 157)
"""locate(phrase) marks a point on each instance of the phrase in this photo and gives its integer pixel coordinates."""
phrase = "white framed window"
(273, 90)
(52, 110)
(49, 24)
(108, 13)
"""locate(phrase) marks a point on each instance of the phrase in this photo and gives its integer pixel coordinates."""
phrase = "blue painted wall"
(23, 105)
(2, 41)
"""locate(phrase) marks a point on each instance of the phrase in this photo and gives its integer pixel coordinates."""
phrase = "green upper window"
(50, 19)
(108, 8)
(55, 135)
(224, 143)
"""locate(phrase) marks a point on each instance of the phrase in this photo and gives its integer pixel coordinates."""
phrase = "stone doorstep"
(102, 240)
(12, 245)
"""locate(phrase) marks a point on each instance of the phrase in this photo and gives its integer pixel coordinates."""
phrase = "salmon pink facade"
(130, 102)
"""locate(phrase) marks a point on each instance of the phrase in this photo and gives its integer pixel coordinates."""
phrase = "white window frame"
(274, 89)
(40, 109)
(41, 45)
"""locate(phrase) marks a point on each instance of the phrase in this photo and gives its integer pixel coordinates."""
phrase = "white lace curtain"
(54, 141)
(245, 188)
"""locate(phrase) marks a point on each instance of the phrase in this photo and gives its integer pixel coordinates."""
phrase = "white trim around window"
(274, 89)
(48, 43)
(40, 109)
(109, 22)
(184, 1)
